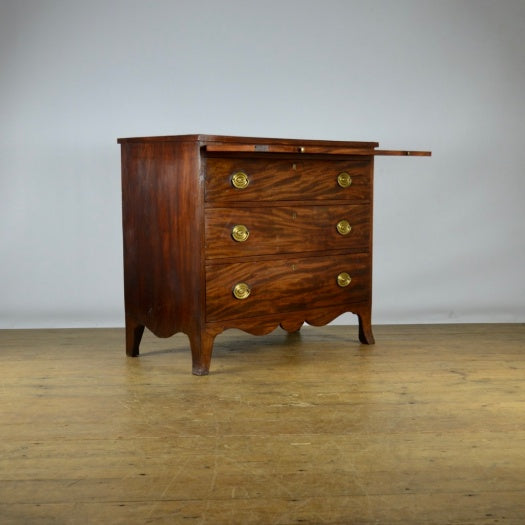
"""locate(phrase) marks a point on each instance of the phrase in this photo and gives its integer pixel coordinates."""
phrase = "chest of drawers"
(249, 233)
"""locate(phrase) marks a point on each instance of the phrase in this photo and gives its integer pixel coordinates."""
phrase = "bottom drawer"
(251, 289)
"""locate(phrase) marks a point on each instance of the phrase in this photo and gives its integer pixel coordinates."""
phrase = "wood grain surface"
(290, 179)
(286, 229)
(425, 427)
(281, 286)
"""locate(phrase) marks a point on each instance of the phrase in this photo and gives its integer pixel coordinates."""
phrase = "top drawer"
(256, 179)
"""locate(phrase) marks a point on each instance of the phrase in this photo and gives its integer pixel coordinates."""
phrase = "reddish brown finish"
(181, 263)
(330, 150)
(280, 179)
(397, 153)
(162, 254)
(284, 286)
(286, 229)
(262, 143)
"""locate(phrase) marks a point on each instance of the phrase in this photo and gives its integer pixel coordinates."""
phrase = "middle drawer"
(237, 232)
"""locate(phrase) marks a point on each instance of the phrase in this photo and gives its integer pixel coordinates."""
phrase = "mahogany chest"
(250, 233)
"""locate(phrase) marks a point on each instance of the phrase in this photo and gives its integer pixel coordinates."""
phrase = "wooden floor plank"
(427, 426)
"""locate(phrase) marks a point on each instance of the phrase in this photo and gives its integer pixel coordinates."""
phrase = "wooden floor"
(425, 427)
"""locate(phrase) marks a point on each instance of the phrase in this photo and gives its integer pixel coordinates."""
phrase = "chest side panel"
(162, 253)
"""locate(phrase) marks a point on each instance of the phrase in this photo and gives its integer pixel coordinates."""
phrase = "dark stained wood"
(208, 141)
(274, 179)
(223, 143)
(283, 286)
(163, 236)
(181, 263)
(403, 153)
(330, 150)
(284, 229)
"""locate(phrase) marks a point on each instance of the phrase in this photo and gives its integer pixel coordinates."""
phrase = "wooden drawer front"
(275, 230)
(280, 286)
(286, 179)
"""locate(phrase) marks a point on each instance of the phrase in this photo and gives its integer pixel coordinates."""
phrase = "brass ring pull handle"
(241, 291)
(343, 227)
(344, 180)
(240, 233)
(343, 279)
(240, 180)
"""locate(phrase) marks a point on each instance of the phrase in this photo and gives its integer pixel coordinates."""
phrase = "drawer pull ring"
(240, 180)
(240, 233)
(343, 279)
(241, 291)
(343, 227)
(344, 180)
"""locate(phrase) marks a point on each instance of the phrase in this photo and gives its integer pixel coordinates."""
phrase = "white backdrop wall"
(442, 75)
